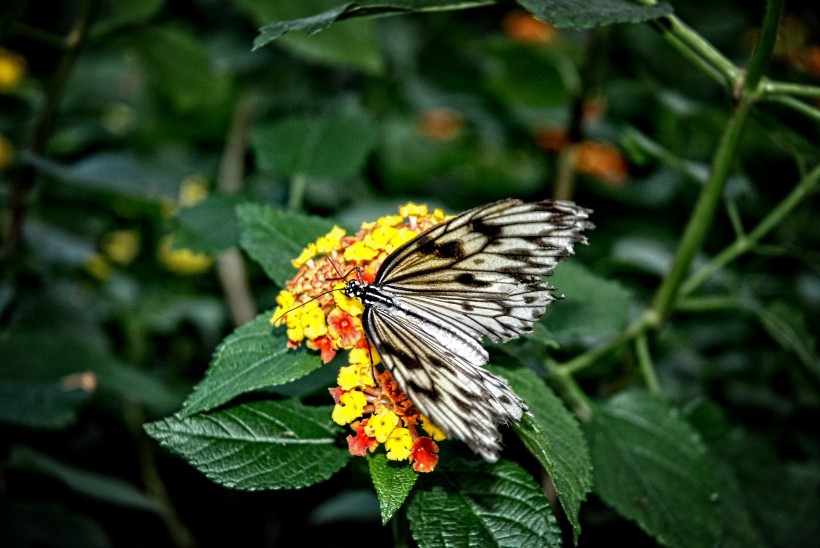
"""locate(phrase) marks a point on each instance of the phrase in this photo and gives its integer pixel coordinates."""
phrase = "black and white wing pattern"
(438, 295)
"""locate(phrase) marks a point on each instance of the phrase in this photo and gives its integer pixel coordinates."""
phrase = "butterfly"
(437, 296)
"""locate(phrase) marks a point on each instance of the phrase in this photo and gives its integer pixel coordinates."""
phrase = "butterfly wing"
(451, 388)
(475, 275)
(479, 272)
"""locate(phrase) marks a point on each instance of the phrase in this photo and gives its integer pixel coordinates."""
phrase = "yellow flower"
(121, 246)
(193, 190)
(182, 261)
(380, 237)
(399, 444)
(355, 376)
(351, 305)
(413, 210)
(381, 424)
(312, 319)
(330, 241)
(350, 406)
(98, 266)
(285, 301)
(12, 69)
(401, 237)
(360, 251)
(434, 431)
(307, 254)
(363, 356)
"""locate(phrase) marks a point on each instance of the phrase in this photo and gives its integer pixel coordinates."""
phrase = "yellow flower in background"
(193, 190)
(182, 261)
(98, 266)
(12, 69)
(121, 246)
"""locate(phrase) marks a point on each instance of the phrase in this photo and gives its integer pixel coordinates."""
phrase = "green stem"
(745, 243)
(298, 186)
(795, 104)
(762, 53)
(572, 393)
(582, 361)
(699, 51)
(645, 363)
(701, 218)
(770, 87)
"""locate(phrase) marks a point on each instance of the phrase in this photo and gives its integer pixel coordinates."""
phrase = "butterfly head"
(354, 288)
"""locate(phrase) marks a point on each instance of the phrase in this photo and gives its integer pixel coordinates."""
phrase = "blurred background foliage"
(130, 130)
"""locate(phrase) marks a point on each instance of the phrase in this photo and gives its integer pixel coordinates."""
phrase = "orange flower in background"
(441, 124)
(602, 161)
(317, 313)
(523, 27)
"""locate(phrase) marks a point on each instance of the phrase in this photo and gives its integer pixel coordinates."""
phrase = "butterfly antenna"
(288, 311)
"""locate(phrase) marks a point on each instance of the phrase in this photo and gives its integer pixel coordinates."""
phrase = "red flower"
(344, 328)
(359, 444)
(424, 455)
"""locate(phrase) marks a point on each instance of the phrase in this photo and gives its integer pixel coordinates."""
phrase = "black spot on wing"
(491, 231)
(468, 279)
(445, 250)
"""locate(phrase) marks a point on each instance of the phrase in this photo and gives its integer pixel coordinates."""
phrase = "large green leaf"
(103, 488)
(652, 467)
(581, 14)
(274, 237)
(479, 504)
(209, 226)
(331, 145)
(254, 356)
(48, 376)
(554, 437)
(258, 445)
(364, 8)
(593, 308)
(393, 482)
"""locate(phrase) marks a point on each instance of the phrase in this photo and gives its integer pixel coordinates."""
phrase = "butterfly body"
(436, 297)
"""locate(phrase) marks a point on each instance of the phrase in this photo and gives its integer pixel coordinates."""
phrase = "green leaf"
(99, 487)
(179, 65)
(364, 8)
(274, 237)
(48, 524)
(652, 467)
(259, 445)
(333, 145)
(787, 325)
(48, 376)
(554, 437)
(120, 13)
(581, 14)
(479, 504)
(209, 226)
(252, 357)
(393, 482)
(593, 308)
(36, 404)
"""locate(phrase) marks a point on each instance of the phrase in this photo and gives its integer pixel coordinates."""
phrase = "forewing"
(480, 270)
(461, 397)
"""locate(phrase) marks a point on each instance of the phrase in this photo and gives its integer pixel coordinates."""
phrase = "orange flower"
(361, 443)
(523, 27)
(602, 161)
(441, 124)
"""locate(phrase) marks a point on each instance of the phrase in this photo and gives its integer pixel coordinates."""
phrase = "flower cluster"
(317, 313)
